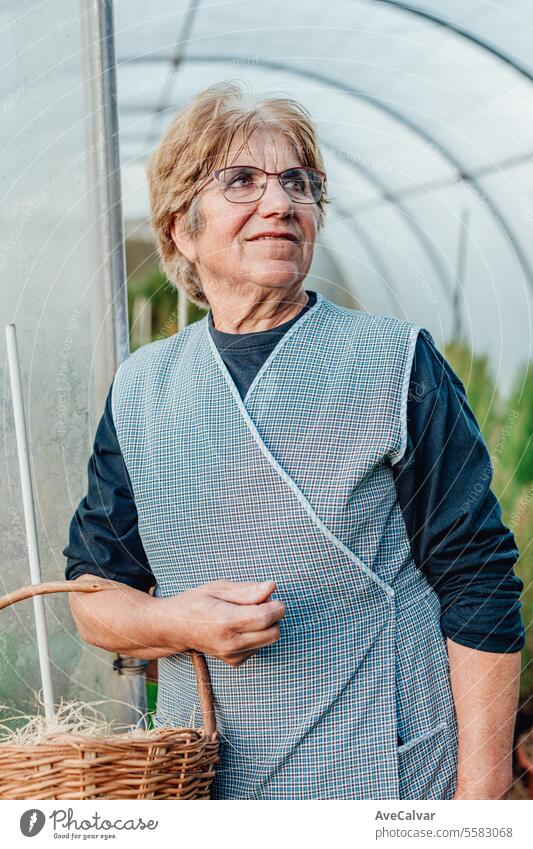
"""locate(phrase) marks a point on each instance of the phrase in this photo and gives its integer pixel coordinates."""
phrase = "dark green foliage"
(163, 298)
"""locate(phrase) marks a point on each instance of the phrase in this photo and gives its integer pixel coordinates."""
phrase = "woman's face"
(226, 252)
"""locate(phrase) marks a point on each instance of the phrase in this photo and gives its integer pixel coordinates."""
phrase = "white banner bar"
(270, 825)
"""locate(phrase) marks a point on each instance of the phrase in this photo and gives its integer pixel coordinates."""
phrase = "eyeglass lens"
(244, 184)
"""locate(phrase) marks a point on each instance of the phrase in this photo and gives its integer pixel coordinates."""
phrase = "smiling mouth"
(274, 239)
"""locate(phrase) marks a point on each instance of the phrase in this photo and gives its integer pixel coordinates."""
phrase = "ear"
(182, 240)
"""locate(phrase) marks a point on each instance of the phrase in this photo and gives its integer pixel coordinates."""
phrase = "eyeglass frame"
(214, 176)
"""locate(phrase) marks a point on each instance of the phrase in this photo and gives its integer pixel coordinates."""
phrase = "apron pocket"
(404, 747)
(427, 766)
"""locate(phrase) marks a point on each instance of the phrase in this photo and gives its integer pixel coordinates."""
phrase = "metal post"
(29, 519)
(103, 138)
(103, 143)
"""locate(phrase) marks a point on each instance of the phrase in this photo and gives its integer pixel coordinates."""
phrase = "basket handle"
(203, 680)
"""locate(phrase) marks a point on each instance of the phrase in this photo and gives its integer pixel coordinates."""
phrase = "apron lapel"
(288, 481)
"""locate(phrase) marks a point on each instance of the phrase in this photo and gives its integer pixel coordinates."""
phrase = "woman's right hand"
(223, 619)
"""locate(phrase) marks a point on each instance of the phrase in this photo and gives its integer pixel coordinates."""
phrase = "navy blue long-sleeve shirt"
(460, 543)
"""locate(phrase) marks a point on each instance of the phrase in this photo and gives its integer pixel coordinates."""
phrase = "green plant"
(163, 298)
(151, 701)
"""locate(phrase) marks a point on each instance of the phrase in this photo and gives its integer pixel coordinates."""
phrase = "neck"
(250, 312)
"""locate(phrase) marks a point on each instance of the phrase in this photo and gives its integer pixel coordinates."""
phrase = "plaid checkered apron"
(295, 484)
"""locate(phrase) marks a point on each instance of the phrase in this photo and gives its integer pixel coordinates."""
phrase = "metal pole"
(103, 131)
(133, 672)
(29, 519)
(183, 309)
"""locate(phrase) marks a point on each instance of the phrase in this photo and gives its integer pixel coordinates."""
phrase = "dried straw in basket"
(74, 760)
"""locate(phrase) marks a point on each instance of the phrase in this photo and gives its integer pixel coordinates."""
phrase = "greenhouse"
(424, 112)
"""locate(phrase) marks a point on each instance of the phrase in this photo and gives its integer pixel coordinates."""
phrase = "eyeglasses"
(246, 184)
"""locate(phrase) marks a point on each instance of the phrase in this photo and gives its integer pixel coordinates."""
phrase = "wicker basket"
(171, 763)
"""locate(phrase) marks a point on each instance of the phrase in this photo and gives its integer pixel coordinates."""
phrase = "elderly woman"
(292, 477)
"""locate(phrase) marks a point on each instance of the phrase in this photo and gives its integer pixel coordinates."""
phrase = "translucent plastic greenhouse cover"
(425, 116)
(54, 259)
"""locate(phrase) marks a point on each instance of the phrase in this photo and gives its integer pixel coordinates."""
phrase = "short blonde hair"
(196, 141)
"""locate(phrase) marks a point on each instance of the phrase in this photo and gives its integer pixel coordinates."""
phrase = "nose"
(275, 199)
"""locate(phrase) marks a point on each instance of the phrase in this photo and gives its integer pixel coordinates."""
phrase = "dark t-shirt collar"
(260, 337)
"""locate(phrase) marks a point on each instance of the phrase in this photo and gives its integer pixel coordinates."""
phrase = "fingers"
(257, 639)
(250, 592)
(230, 620)
(237, 659)
(235, 618)
(257, 617)
(246, 645)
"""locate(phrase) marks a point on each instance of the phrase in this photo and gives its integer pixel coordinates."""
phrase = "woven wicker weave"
(171, 763)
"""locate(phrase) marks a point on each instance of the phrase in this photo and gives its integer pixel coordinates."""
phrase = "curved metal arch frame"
(407, 8)
(407, 216)
(368, 245)
(400, 118)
